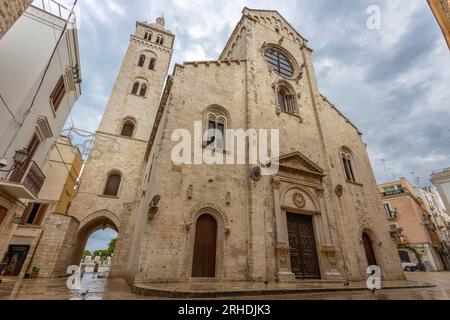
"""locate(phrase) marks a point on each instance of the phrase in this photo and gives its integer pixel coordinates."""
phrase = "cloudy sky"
(99, 240)
(393, 83)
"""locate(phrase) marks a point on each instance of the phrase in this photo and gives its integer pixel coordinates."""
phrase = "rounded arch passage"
(100, 220)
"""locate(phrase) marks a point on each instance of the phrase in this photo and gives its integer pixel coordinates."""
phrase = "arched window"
(127, 128)
(139, 88)
(148, 36)
(152, 64)
(286, 97)
(135, 88)
(143, 90)
(349, 166)
(216, 123)
(160, 40)
(141, 60)
(112, 185)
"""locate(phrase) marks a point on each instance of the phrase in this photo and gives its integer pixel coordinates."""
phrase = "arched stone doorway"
(368, 247)
(97, 221)
(205, 247)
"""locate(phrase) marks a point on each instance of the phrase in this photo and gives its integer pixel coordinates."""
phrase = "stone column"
(282, 247)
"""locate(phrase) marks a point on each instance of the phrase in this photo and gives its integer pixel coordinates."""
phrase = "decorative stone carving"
(153, 207)
(228, 198)
(276, 183)
(299, 200)
(339, 190)
(256, 174)
(190, 192)
(332, 259)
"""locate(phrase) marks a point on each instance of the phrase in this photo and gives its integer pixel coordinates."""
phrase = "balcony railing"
(25, 181)
(54, 7)
(393, 192)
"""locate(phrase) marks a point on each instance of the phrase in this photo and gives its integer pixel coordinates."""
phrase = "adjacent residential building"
(39, 84)
(441, 179)
(415, 224)
(439, 226)
(441, 10)
(10, 11)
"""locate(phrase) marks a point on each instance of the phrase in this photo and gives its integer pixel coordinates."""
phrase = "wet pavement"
(94, 287)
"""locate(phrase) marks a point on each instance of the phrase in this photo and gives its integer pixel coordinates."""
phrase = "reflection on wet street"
(96, 287)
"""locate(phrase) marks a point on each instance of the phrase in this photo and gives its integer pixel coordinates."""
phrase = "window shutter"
(41, 214)
(3, 212)
(26, 213)
(58, 93)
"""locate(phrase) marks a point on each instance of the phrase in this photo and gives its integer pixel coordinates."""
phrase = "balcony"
(25, 182)
(53, 7)
(393, 192)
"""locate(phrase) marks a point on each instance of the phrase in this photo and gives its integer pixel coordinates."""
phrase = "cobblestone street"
(117, 289)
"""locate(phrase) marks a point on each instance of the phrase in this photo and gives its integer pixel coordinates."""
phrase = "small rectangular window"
(58, 94)
(34, 214)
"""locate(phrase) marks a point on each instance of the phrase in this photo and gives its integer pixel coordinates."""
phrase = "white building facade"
(39, 84)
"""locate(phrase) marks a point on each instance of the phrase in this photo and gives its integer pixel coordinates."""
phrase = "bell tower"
(140, 80)
(113, 176)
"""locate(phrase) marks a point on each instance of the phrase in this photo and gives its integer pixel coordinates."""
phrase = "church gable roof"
(275, 18)
(298, 163)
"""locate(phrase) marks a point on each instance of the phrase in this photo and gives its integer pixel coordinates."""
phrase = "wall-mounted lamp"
(19, 158)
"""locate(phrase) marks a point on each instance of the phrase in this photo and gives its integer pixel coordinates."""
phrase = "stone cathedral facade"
(319, 217)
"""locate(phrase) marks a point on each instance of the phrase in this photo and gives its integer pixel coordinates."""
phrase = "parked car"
(409, 266)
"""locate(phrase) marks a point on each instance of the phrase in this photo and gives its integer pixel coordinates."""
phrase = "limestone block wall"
(54, 248)
(10, 11)
(360, 202)
(165, 249)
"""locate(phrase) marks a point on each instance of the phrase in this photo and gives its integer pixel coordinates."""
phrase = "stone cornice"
(119, 136)
(159, 114)
(156, 29)
(150, 44)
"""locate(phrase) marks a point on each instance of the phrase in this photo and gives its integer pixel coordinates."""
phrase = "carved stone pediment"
(299, 164)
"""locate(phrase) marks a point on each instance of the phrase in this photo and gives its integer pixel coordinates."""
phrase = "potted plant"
(34, 273)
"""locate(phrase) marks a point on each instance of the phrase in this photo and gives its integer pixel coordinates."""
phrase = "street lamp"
(20, 157)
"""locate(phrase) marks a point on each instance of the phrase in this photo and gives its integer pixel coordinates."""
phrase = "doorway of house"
(15, 259)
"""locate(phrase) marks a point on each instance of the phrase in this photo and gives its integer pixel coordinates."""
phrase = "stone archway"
(97, 221)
